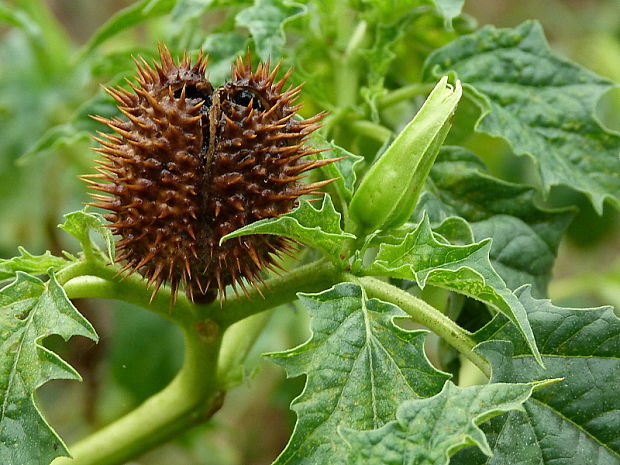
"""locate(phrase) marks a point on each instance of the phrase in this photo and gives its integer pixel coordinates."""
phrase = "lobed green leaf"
(573, 422)
(223, 48)
(541, 104)
(318, 228)
(464, 269)
(31, 264)
(343, 171)
(360, 367)
(266, 20)
(80, 223)
(429, 431)
(525, 236)
(31, 310)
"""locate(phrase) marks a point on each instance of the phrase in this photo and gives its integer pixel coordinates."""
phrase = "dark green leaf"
(360, 367)
(429, 431)
(32, 264)
(318, 228)
(541, 104)
(574, 422)
(265, 21)
(464, 269)
(80, 223)
(30, 311)
(525, 236)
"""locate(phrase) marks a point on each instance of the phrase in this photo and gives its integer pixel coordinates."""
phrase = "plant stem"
(92, 279)
(429, 316)
(86, 279)
(405, 93)
(191, 398)
(371, 130)
(313, 277)
(237, 343)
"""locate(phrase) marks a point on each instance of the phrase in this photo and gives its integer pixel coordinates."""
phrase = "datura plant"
(257, 158)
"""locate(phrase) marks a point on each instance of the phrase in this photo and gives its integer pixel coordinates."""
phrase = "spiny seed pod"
(191, 164)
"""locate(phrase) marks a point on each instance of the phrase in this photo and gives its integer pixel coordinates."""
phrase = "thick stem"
(313, 277)
(191, 398)
(96, 280)
(427, 315)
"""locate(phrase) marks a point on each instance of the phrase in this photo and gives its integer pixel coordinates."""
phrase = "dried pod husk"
(191, 163)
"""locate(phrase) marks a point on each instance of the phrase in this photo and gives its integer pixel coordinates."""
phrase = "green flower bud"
(389, 192)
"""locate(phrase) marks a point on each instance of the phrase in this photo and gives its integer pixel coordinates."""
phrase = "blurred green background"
(53, 57)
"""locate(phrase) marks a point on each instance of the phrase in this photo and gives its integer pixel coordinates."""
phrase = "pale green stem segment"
(238, 341)
(404, 93)
(390, 189)
(371, 130)
(86, 279)
(427, 315)
(191, 398)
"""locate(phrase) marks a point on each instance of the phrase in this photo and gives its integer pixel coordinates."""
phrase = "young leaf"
(541, 104)
(429, 431)
(360, 367)
(318, 228)
(389, 12)
(32, 264)
(30, 311)
(573, 422)
(464, 269)
(80, 223)
(380, 56)
(265, 21)
(525, 236)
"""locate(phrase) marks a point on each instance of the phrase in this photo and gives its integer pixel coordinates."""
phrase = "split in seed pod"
(191, 163)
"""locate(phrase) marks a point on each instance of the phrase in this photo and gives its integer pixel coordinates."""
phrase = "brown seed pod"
(191, 164)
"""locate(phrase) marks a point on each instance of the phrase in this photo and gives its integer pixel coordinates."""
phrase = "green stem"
(313, 277)
(371, 130)
(88, 280)
(238, 341)
(346, 66)
(85, 279)
(427, 315)
(405, 93)
(191, 398)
